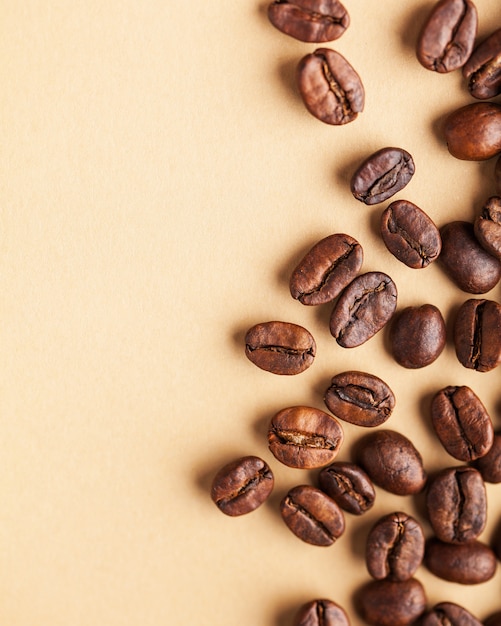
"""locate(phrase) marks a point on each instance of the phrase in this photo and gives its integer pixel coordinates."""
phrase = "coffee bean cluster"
(363, 303)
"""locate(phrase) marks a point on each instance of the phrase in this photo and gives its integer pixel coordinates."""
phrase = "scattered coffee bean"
(326, 269)
(487, 227)
(242, 485)
(483, 68)
(304, 437)
(330, 88)
(494, 619)
(449, 613)
(468, 563)
(312, 516)
(477, 334)
(490, 464)
(391, 603)
(349, 486)
(313, 21)
(473, 132)
(321, 613)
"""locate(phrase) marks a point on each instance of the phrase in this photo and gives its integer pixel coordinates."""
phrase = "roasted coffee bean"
(363, 308)
(313, 21)
(242, 485)
(450, 614)
(360, 398)
(326, 269)
(468, 563)
(312, 516)
(473, 132)
(462, 423)
(464, 260)
(382, 175)
(329, 86)
(487, 227)
(395, 547)
(410, 235)
(490, 464)
(477, 334)
(392, 462)
(497, 175)
(483, 68)
(448, 35)
(304, 437)
(391, 603)
(349, 486)
(456, 502)
(321, 613)
(280, 347)
(494, 619)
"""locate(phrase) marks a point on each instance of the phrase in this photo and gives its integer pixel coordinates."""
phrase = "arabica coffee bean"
(280, 347)
(462, 423)
(321, 613)
(490, 464)
(448, 35)
(450, 614)
(395, 547)
(360, 398)
(410, 235)
(392, 462)
(464, 260)
(483, 68)
(349, 486)
(329, 86)
(417, 336)
(363, 308)
(304, 437)
(382, 175)
(456, 502)
(468, 563)
(473, 132)
(477, 334)
(487, 226)
(313, 21)
(494, 619)
(326, 269)
(242, 485)
(392, 603)
(312, 516)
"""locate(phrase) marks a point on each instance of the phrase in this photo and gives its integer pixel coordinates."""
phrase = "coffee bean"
(410, 235)
(395, 547)
(483, 68)
(392, 462)
(312, 516)
(313, 21)
(359, 398)
(464, 260)
(494, 619)
(329, 86)
(326, 269)
(304, 437)
(242, 485)
(487, 227)
(448, 35)
(490, 464)
(382, 175)
(497, 175)
(462, 423)
(349, 486)
(468, 563)
(473, 132)
(391, 603)
(321, 613)
(456, 502)
(417, 336)
(363, 308)
(280, 347)
(449, 613)
(477, 334)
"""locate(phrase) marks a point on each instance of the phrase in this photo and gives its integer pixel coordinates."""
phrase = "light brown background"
(160, 179)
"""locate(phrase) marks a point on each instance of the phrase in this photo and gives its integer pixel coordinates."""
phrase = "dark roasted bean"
(473, 132)
(487, 226)
(483, 68)
(449, 614)
(313, 21)
(477, 334)
(497, 175)
(321, 613)
(468, 563)
(490, 464)
(494, 619)
(390, 603)
(349, 486)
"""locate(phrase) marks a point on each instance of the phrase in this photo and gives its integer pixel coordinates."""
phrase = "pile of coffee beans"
(305, 437)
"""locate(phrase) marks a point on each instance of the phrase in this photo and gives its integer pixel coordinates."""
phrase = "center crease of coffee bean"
(329, 271)
(487, 72)
(394, 548)
(361, 397)
(263, 474)
(386, 181)
(282, 350)
(358, 302)
(461, 503)
(462, 434)
(415, 245)
(477, 336)
(335, 88)
(452, 43)
(347, 486)
(305, 440)
(301, 510)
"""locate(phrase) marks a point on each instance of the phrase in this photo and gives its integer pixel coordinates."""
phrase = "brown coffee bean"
(464, 260)
(410, 235)
(494, 619)
(391, 603)
(242, 485)
(473, 132)
(280, 347)
(487, 227)
(477, 334)
(312, 516)
(490, 464)
(349, 486)
(313, 21)
(392, 462)
(395, 547)
(321, 613)
(497, 175)
(448, 35)
(483, 69)
(360, 398)
(456, 502)
(462, 423)
(450, 614)
(304, 437)
(330, 88)
(468, 563)
(326, 269)
(382, 175)
(363, 308)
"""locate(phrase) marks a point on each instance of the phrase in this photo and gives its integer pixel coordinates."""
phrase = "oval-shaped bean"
(487, 226)
(321, 613)
(449, 613)
(349, 486)
(313, 21)
(468, 563)
(473, 132)
(392, 603)
(483, 68)
(477, 334)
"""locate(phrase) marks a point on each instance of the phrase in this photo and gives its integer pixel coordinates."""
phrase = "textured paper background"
(160, 180)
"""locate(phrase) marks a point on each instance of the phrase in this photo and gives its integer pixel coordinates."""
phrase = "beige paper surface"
(161, 178)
